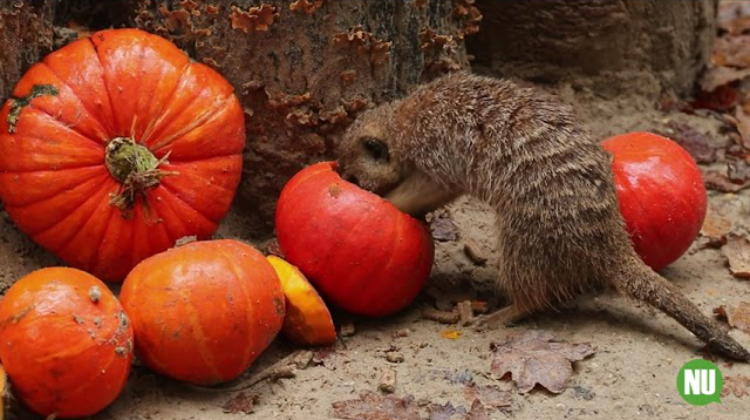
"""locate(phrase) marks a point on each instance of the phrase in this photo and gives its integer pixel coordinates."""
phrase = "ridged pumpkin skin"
(203, 312)
(360, 251)
(119, 84)
(65, 342)
(662, 195)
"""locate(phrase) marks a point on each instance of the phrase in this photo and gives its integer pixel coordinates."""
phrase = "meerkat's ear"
(376, 149)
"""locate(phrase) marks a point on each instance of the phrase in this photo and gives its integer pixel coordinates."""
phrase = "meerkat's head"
(372, 155)
(366, 157)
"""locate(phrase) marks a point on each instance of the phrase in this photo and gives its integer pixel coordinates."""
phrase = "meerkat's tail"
(639, 281)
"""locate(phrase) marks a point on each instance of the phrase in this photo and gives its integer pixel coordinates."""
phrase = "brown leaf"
(241, 403)
(716, 225)
(730, 12)
(533, 357)
(668, 101)
(737, 251)
(320, 356)
(743, 126)
(738, 171)
(442, 227)
(696, 143)
(490, 395)
(720, 76)
(717, 181)
(444, 411)
(477, 412)
(737, 316)
(722, 98)
(732, 51)
(373, 406)
(740, 25)
(739, 386)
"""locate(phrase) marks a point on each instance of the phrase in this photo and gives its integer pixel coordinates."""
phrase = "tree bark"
(643, 46)
(25, 35)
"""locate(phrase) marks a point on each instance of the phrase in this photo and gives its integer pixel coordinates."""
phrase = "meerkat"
(560, 232)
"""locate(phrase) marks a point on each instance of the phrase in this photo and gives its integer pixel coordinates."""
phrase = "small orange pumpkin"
(65, 342)
(203, 312)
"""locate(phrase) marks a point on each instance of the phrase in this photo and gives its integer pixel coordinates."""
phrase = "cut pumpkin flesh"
(308, 320)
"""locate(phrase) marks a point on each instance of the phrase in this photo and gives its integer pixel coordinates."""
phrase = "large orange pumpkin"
(114, 147)
(65, 342)
(204, 311)
(359, 250)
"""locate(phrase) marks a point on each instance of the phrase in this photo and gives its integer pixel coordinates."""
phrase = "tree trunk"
(304, 69)
(641, 46)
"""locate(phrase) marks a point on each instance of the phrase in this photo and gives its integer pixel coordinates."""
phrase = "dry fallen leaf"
(241, 403)
(739, 386)
(696, 143)
(442, 227)
(732, 51)
(719, 182)
(719, 76)
(743, 126)
(738, 170)
(730, 12)
(477, 412)
(716, 225)
(737, 316)
(444, 411)
(737, 251)
(491, 396)
(533, 357)
(373, 406)
(722, 98)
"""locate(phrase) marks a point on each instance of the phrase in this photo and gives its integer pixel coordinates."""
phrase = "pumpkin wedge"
(308, 321)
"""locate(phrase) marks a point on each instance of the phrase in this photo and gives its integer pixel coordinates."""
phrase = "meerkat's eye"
(376, 149)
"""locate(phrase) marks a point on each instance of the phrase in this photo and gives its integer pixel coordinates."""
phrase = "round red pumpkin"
(661, 193)
(203, 312)
(115, 146)
(65, 342)
(360, 251)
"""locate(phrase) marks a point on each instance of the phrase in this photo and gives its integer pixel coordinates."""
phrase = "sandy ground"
(632, 374)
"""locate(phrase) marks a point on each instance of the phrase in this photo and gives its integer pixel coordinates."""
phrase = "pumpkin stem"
(136, 168)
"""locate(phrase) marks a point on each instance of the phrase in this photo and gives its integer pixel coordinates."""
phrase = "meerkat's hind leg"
(501, 318)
